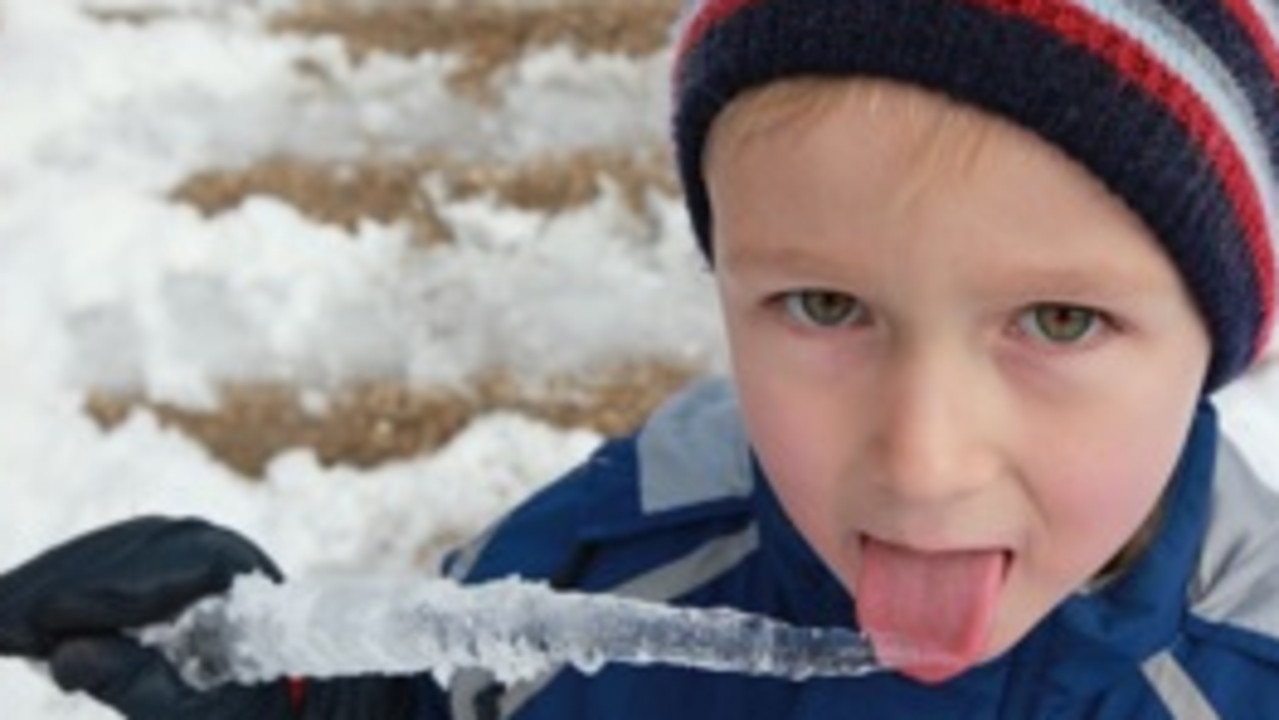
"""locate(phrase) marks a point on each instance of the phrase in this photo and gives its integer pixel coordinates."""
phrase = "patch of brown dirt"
(488, 37)
(558, 183)
(391, 191)
(375, 422)
(493, 34)
(342, 195)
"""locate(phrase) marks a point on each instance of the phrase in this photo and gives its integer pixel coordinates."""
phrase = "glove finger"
(26, 587)
(142, 685)
(130, 574)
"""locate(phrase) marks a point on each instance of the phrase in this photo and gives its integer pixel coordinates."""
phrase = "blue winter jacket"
(679, 513)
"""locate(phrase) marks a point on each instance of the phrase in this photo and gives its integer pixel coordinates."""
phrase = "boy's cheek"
(1095, 511)
(1094, 494)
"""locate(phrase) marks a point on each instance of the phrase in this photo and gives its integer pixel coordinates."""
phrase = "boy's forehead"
(926, 136)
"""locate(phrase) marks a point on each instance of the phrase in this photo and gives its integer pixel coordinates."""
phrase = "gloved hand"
(70, 606)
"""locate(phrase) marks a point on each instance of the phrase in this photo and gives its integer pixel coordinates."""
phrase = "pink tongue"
(928, 614)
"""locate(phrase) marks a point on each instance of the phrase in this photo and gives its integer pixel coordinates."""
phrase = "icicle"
(516, 630)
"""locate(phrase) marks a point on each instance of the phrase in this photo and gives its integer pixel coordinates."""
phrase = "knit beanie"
(1173, 104)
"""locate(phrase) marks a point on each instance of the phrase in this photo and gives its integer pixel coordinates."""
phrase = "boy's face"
(967, 369)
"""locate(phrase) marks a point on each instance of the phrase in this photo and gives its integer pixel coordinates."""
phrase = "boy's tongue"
(928, 613)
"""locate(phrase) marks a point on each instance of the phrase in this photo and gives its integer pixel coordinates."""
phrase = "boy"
(981, 263)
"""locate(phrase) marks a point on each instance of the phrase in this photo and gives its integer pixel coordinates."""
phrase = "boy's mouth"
(929, 614)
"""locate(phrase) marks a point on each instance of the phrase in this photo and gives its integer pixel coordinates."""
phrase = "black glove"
(69, 606)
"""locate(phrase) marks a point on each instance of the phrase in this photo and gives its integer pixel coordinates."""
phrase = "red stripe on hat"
(1246, 14)
(1143, 68)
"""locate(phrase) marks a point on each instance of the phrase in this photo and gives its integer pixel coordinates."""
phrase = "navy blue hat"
(1173, 105)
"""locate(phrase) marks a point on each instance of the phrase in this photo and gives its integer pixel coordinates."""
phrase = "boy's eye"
(1059, 324)
(824, 308)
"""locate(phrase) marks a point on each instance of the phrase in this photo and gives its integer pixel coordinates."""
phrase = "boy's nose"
(931, 437)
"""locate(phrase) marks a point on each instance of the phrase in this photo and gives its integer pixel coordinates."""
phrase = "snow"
(518, 631)
(106, 284)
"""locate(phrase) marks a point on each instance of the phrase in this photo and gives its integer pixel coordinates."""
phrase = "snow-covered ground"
(106, 284)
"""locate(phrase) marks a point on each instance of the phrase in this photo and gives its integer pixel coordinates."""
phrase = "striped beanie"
(1174, 104)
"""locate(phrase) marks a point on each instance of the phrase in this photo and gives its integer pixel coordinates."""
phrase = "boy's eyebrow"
(1066, 283)
(785, 257)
